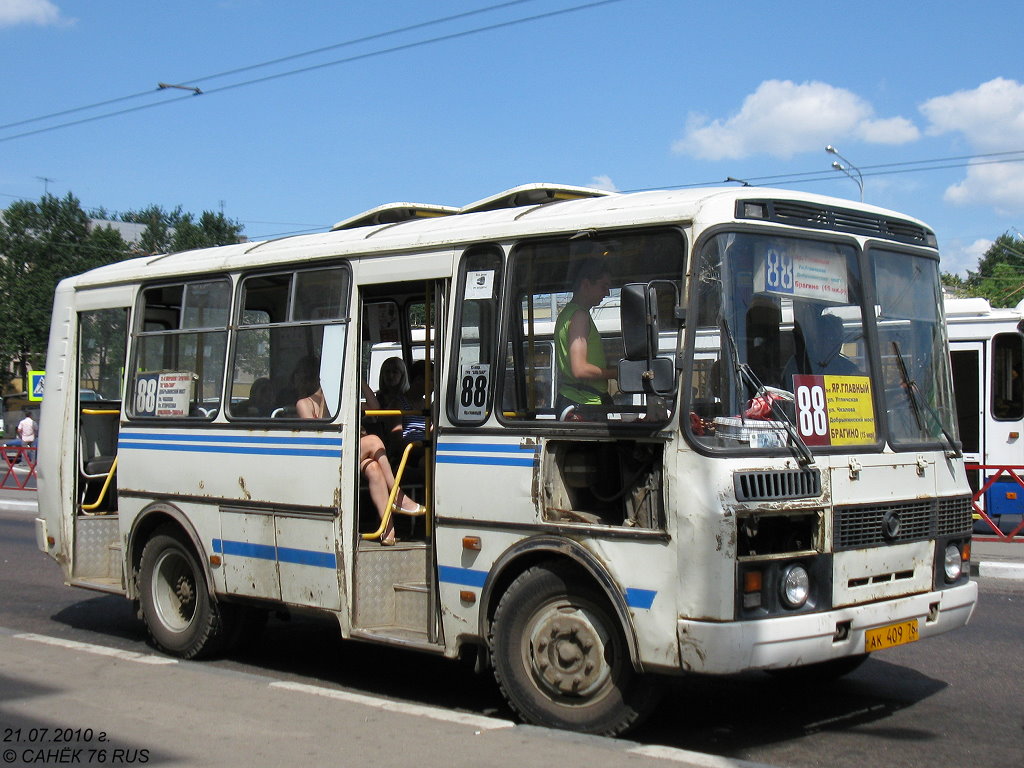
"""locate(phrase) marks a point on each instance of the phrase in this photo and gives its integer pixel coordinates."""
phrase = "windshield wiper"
(917, 400)
(743, 371)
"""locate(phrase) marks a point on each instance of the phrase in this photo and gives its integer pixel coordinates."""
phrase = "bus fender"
(526, 553)
(153, 516)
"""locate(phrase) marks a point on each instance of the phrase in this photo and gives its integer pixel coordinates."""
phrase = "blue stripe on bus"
(640, 598)
(277, 554)
(487, 447)
(452, 453)
(237, 449)
(213, 438)
(465, 577)
(485, 461)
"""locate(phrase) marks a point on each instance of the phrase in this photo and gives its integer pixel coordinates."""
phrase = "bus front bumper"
(787, 641)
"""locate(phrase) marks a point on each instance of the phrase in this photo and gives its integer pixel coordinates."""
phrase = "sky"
(312, 111)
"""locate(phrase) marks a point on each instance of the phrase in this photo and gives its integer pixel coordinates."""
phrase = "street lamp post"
(858, 179)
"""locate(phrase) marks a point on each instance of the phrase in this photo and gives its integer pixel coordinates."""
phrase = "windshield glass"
(779, 350)
(788, 356)
(912, 344)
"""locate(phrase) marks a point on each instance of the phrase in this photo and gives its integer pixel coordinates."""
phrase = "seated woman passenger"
(373, 462)
(311, 403)
(396, 394)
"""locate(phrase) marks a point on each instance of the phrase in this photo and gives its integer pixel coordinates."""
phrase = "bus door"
(394, 591)
(968, 359)
(102, 337)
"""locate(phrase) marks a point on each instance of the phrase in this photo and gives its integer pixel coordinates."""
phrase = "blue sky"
(625, 95)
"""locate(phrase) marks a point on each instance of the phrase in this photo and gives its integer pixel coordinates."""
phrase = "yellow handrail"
(103, 490)
(385, 518)
(97, 412)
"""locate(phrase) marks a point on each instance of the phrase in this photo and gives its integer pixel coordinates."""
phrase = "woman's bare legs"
(373, 462)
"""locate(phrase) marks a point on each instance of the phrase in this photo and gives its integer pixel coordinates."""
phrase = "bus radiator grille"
(876, 525)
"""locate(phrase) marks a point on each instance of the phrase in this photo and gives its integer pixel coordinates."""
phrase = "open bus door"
(102, 345)
(395, 594)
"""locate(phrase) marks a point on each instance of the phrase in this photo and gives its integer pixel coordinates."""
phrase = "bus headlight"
(795, 586)
(953, 566)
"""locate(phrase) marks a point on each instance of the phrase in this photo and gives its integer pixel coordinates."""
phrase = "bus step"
(411, 602)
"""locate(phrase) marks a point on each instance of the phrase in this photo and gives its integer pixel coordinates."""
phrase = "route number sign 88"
(778, 272)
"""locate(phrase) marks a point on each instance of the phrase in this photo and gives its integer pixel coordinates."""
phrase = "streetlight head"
(831, 150)
(837, 165)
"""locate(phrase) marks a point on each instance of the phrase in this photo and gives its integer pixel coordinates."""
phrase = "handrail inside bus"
(103, 490)
(99, 412)
(385, 519)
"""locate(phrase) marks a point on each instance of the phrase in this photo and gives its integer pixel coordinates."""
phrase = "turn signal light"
(471, 543)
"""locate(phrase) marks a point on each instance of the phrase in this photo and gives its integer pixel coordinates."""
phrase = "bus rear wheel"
(181, 617)
(560, 657)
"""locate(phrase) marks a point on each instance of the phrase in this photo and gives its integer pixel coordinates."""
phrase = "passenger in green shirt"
(583, 372)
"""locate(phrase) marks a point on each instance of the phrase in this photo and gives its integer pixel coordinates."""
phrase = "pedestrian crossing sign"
(35, 385)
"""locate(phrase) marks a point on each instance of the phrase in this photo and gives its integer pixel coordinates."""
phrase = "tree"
(167, 232)
(1000, 275)
(40, 244)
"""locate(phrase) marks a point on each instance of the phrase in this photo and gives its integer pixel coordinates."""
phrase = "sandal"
(420, 510)
(389, 542)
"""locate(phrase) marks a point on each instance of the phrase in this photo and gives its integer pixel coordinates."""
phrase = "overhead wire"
(270, 62)
(313, 67)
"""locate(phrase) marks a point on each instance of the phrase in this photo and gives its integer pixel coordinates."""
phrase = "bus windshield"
(783, 352)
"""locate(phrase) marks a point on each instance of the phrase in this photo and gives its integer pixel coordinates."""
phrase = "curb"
(996, 570)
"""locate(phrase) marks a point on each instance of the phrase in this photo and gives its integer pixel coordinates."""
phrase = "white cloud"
(991, 119)
(782, 118)
(603, 182)
(41, 12)
(958, 258)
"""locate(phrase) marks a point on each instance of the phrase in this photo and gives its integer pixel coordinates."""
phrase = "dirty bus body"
(772, 482)
(987, 353)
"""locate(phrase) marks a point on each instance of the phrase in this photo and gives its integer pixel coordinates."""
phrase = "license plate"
(901, 633)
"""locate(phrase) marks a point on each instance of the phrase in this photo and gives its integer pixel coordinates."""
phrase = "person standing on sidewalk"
(26, 437)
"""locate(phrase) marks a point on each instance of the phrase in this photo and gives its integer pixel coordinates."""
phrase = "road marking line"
(697, 759)
(479, 722)
(99, 650)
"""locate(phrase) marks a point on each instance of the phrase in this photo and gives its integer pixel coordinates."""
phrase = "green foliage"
(168, 232)
(42, 243)
(1000, 274)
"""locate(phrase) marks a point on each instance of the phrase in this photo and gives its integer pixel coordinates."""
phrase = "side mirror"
(638, 316)
(641, 370)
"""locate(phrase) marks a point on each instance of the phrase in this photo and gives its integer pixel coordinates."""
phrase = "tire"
(181, 617)
(560, 657)
(822, 672)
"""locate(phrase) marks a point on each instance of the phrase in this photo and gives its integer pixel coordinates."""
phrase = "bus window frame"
(139, 332)
(496, 322)
(510, 305)
(344, 319)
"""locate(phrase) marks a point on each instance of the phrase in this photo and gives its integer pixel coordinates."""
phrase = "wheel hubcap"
(174, 591)
(567, 652)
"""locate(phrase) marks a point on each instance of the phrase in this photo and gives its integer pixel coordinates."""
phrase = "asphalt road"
(301, 693)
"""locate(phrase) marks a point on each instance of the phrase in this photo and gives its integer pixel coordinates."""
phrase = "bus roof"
(524, 211)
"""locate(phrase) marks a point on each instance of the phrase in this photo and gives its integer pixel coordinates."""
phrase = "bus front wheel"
(560, 657)
(176, 605)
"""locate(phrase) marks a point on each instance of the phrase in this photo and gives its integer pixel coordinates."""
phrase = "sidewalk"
(997, 559)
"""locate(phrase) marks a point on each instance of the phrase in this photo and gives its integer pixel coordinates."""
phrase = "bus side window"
(179, 351)
(1007, 358)
(286, 319)
(475, 349)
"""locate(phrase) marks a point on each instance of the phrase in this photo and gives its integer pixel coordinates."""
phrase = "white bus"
(753, 492)
(987, 352)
